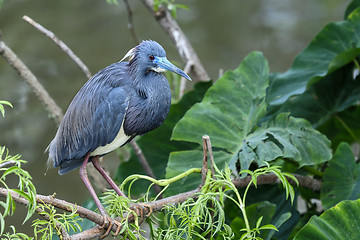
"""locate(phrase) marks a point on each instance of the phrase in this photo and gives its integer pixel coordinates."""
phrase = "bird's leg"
(84, 177)
(98, 167)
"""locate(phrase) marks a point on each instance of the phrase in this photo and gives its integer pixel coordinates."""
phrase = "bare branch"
(185, 49)
(204, 168)
(304, 181)
(183, 80)
(61, 44)
(131, 22)
(53, 109)
(208, 143)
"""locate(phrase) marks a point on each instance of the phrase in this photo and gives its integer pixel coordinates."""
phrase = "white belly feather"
(119, 140)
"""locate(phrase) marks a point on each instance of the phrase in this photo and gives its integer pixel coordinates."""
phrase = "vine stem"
(162, 182)
(347, 128)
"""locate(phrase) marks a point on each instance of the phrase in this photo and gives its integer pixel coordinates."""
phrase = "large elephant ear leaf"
(341, 178)
(341, 222)
(230, 108)
(335, 46)
(230, 114)
(285, 137)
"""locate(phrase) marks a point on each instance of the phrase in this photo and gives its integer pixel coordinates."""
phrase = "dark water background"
(222, 33)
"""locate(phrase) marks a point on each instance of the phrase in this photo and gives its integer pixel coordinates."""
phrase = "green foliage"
(332, 94)
(340, 222)
(12, 165)
(285, 137)
(256, 120)
(119, 206)
(170, 5)
(2, 103)
(341, 179)
(334, 47)
(231, 107)
(47, 228)
(15, 235)
(231, 112)
(204, 216)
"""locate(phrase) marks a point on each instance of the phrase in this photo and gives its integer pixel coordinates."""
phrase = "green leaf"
(341, 222)
(268, 227)
(2, 224)
(335, 46)
(2, 109)
(263, 210)
(337, 128)
(285, 137)
(286, 216)
(179, 162)
(230, 108)
(279, 221)
(351, 7)
(341, 180)
(332, 94)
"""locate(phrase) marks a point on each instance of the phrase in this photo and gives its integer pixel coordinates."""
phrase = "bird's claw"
(139, 209)
(111, 222)
(118, 228)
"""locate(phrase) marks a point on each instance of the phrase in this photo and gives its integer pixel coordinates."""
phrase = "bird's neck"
(148, 81)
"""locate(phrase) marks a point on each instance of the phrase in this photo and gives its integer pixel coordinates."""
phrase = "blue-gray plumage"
(119, 102)
(132, 96)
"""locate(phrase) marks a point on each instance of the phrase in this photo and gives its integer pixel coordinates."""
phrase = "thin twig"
(61, 44)
(50, 105)
(131, 22)
(204, 168)
(207, 148)
(144, 163)
(185, 49)
(208, 144)
(183, 80)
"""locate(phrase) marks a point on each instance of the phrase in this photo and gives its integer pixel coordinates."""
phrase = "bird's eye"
(151, 57)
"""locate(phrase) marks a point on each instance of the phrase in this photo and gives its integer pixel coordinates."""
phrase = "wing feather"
(94, 117)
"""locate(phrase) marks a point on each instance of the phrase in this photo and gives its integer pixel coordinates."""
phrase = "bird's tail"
(68, 165)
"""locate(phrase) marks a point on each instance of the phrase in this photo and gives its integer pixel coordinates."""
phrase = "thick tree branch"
(158, 205)
(304, 181)
(185, 49)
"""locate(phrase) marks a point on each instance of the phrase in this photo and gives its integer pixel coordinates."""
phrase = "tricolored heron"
(119, 102)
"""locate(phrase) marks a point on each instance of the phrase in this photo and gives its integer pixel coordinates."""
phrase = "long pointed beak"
(167, 65)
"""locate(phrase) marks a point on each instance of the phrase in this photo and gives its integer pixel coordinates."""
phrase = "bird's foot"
(139, 210)
(109, 221)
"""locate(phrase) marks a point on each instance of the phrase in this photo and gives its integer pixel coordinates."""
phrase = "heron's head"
(151, 56)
